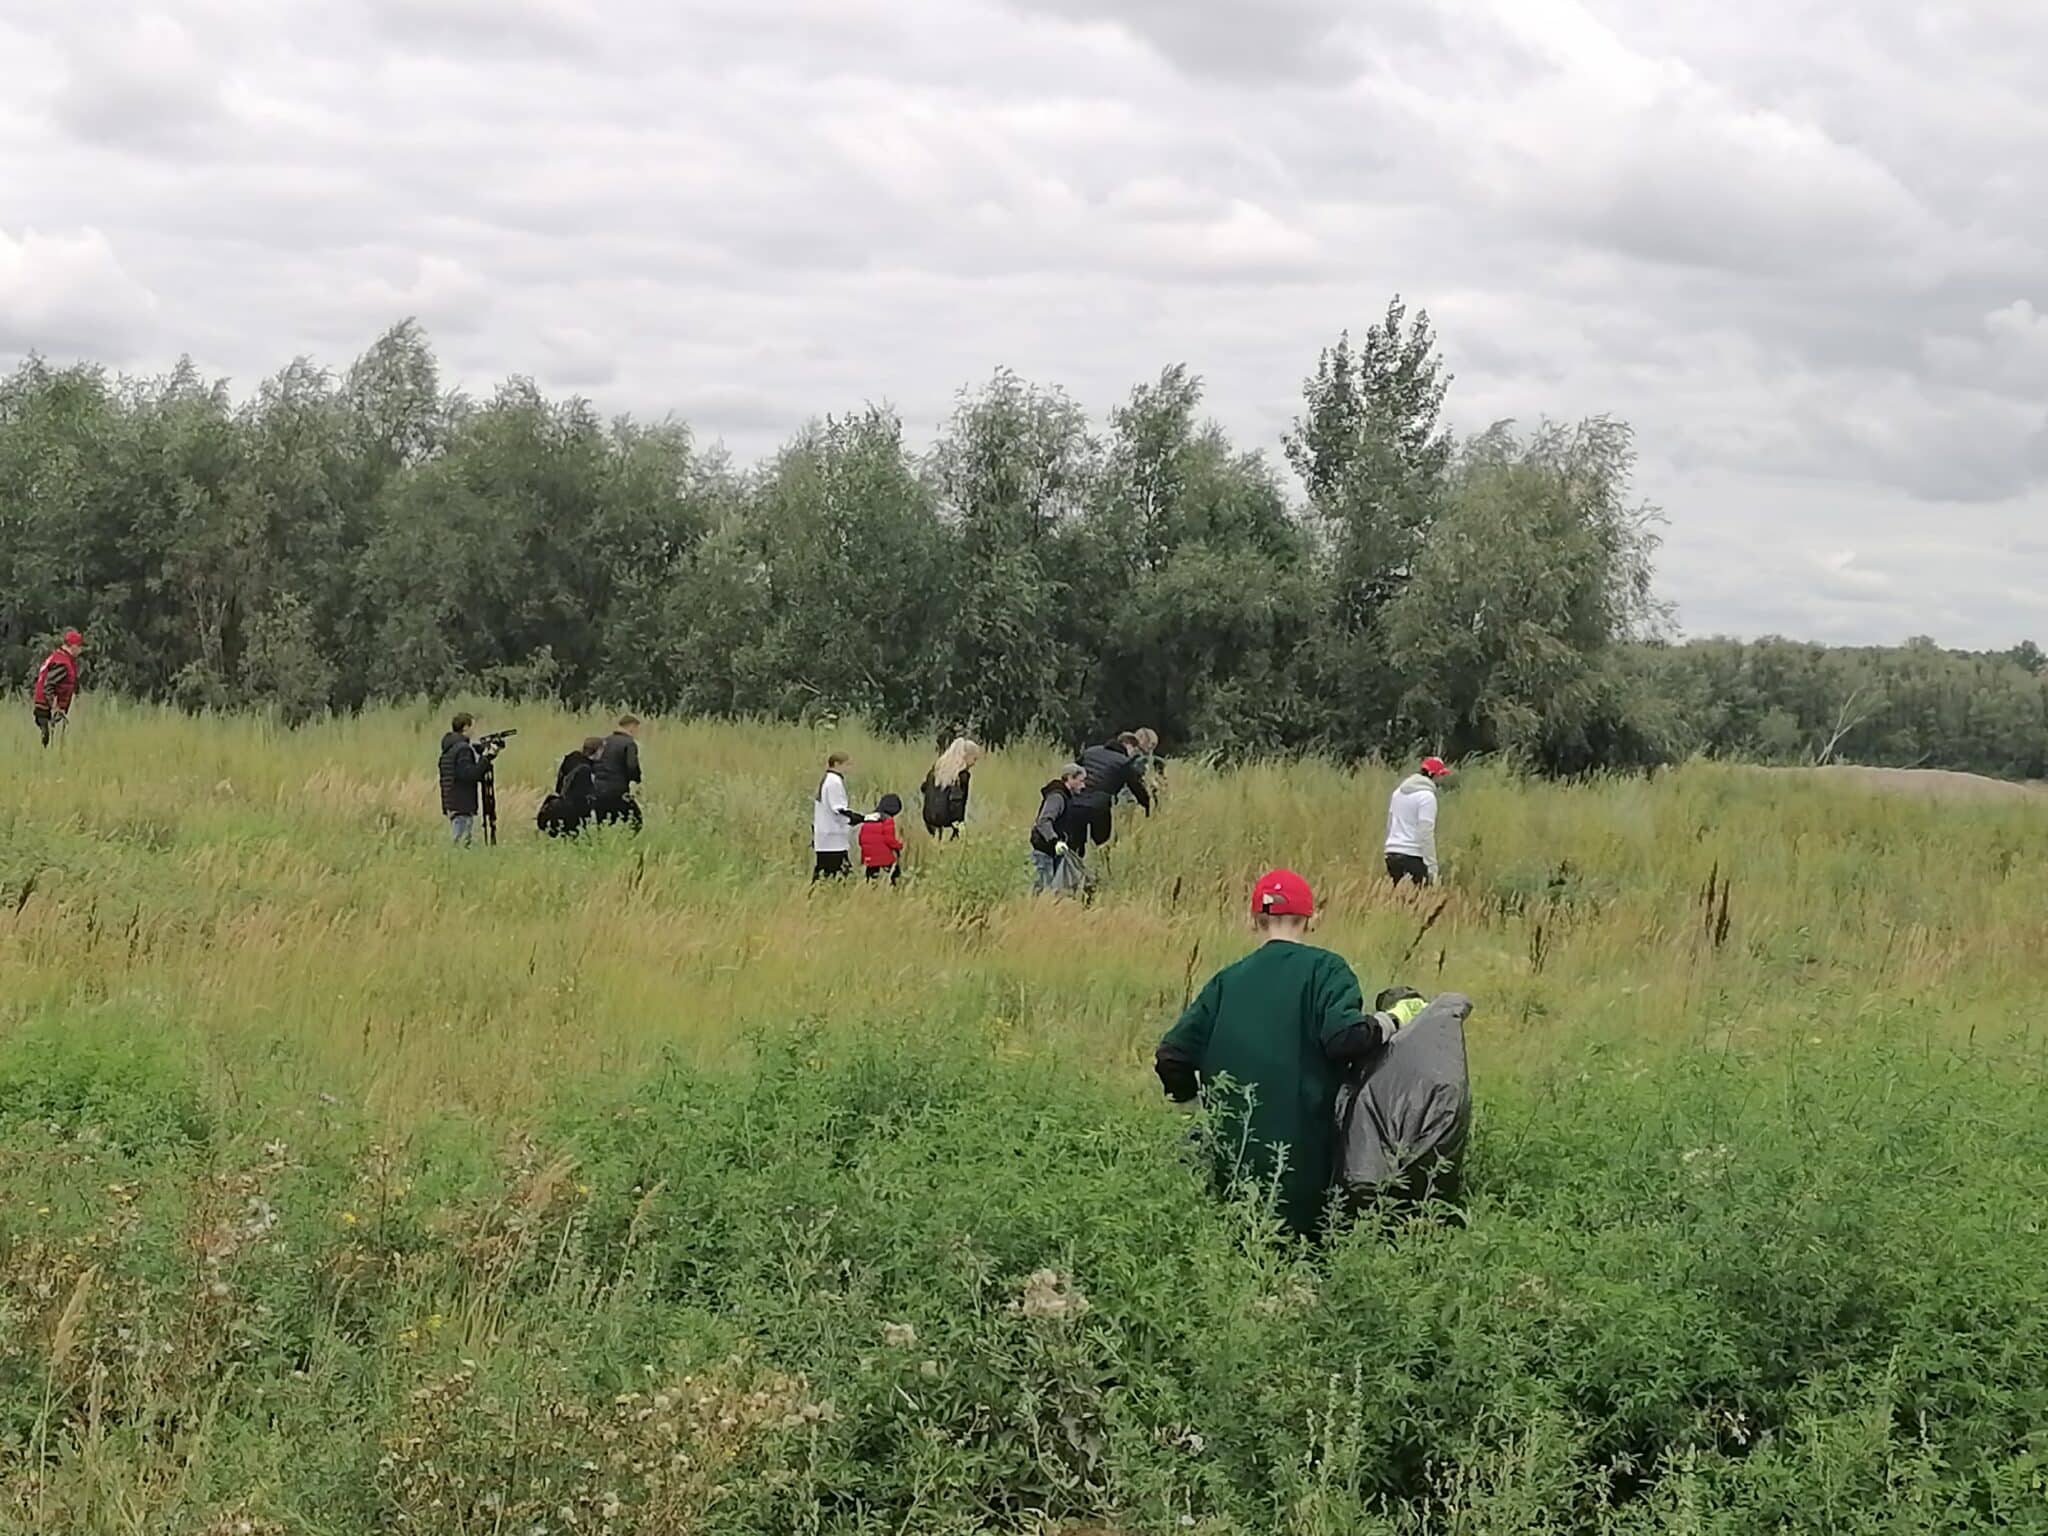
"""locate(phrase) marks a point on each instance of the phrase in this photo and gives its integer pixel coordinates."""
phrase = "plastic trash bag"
(1069, 876)
(1401, 1132)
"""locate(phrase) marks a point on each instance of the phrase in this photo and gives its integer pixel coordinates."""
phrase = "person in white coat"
(1411, 825)
(832, 822)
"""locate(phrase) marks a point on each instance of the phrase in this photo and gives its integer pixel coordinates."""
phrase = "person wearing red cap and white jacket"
(57, 683)
(1285, 1026)
(1411, 825)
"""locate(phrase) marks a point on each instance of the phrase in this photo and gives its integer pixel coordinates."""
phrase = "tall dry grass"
(350, 1182)
(285, 897)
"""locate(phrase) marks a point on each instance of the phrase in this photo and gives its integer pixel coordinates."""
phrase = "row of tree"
(330, 541)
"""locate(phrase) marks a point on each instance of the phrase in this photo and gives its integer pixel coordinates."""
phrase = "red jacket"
(57, 682)
(879, 843)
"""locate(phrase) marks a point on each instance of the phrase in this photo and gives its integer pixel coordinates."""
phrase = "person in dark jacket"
(565, 811)
(1151, 768)
(56, 684)
(945, 788)
(1111, 769)
(462, 771)
(1059, 835)
(616, 771)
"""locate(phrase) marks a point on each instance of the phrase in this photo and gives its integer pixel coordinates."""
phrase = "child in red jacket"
(879, 843)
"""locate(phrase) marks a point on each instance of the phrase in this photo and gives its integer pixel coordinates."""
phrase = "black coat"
(573, 782)
(618, 768)
(462, 770)
(946, 807)
(1111, 769)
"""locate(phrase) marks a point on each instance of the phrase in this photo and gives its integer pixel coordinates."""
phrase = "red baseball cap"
(73, 637)
(1282, 893)
(1435, 767)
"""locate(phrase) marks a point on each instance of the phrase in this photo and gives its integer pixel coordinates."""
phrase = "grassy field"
(351, 1183)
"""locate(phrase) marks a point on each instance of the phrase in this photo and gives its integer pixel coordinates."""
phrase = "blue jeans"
(1045, 874)
(464, 828)
(1042, 867)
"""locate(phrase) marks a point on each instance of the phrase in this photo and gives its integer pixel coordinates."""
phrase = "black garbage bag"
(1401, 1131)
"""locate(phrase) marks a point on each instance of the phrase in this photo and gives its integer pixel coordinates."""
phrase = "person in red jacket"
(879, 841)
(57, 683)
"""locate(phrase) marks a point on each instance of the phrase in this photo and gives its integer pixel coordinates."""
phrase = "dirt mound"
(1933, 783)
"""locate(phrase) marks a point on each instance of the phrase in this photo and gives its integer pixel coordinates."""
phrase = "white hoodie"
(1411, 820)
(830, 830)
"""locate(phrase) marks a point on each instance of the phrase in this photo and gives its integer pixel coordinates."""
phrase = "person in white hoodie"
(832, 822)
(1411, 825)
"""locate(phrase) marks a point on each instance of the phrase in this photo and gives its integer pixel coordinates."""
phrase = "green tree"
(1011, 473)
(1373, 455)
(1201, 577)
(1539, 566)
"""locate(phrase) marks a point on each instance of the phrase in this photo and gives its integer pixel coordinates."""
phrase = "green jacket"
(1281, 1024)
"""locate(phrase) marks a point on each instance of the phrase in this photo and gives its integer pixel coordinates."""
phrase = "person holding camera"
(462, 775)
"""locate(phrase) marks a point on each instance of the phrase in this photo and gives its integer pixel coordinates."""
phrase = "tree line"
(335, 540)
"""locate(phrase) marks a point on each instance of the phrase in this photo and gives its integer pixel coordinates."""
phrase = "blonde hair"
(954, 761)
(1148, 739)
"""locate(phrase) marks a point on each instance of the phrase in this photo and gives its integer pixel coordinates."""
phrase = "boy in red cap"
(1411, 825)
(1285, 1025)
(57, 684)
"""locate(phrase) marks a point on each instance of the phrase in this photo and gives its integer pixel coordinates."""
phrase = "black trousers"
(876, 871)
(43, 721)
(831, 866)
(1407, 866)
(1097, 814)
(609, 813)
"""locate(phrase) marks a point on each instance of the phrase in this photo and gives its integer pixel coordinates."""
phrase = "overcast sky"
(1797, 243)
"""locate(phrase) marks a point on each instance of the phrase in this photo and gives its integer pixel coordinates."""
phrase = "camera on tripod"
(487, 750)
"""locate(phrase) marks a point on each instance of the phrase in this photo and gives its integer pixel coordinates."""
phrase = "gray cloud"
(1245, 40)
(1795, 243)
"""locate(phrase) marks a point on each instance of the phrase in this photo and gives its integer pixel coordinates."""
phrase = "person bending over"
(613, 775)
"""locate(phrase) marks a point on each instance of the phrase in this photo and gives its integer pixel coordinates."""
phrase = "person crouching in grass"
(880, 844)
(1284, 1026)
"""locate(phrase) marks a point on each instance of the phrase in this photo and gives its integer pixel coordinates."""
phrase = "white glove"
(1059, 850)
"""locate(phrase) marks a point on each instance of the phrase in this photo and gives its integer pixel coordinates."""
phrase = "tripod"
(487, 803)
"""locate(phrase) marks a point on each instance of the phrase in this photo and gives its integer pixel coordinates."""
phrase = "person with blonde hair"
(945, 788)
(1146, 759)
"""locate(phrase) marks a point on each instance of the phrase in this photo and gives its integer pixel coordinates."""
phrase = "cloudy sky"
(1795, 242)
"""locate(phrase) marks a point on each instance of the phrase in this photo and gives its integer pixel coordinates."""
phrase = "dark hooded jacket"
(617, 770)
(1061, 819)
(461, 771)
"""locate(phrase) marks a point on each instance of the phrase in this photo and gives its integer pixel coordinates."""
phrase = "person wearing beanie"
(1411, 825)
(56, 684)
(1284, 1026)
(879, 842)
